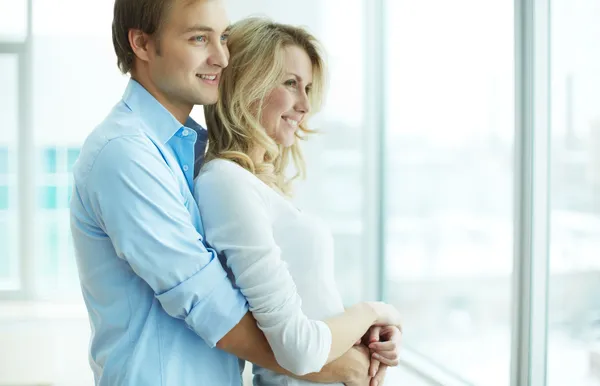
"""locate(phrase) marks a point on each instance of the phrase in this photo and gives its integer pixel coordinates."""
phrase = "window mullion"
(532, 158)
(26, 167)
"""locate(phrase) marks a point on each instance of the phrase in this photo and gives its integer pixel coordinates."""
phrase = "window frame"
(531, 168)
(25, 167)
(531, 191)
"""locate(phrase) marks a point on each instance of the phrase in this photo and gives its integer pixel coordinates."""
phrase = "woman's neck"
(257, 154)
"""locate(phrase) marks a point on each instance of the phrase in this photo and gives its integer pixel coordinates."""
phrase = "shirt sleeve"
(237, 223)
(135, 198)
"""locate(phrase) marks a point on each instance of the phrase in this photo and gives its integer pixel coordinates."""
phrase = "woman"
(281, 258)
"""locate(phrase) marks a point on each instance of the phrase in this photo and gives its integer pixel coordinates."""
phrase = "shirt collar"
(158, 120)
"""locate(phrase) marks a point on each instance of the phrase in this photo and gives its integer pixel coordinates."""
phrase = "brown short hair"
(145, 15)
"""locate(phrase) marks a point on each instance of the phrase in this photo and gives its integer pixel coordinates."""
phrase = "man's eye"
(200, 39)
(224, 37)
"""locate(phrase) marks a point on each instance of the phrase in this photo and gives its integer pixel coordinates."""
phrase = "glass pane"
(3, 197)
(13, 20)
(9, 97)
(9, 109)
(49, 162)
(63, 120)
(48, 197)
(58, 139)
(574, 308)
(4, 248)
(9, 267)
(334, 189)
(3, 160)
(449, 182)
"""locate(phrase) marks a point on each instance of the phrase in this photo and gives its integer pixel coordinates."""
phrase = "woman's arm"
(237, 223)
(247, 341)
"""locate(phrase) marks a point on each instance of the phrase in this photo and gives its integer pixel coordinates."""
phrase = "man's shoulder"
(119, 123)
(122, 128)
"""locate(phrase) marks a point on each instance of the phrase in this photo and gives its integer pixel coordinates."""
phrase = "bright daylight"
(447, 230)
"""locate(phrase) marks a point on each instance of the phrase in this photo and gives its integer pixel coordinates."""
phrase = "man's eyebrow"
(203, 28)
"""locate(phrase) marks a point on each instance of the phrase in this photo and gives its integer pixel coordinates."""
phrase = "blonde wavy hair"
(256, 67)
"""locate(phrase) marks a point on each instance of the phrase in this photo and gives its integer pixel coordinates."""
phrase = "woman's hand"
(387, 347)
(384, 346)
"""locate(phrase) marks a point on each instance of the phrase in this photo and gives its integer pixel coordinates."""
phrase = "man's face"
(185, 63)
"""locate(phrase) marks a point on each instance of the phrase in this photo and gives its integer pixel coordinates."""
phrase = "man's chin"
(205, 100)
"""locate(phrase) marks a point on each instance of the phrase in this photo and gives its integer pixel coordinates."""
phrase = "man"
(158, 300)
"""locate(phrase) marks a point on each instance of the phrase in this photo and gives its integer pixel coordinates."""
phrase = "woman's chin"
(288, 141)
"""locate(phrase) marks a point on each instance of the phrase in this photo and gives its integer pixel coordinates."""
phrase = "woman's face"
(287, 105)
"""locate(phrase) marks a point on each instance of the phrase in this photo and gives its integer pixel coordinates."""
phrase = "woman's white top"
(280, 258)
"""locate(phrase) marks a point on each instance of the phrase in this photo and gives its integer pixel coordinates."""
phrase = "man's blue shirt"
(157, 298)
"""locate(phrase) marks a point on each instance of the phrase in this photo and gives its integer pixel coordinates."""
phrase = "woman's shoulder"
(220, 165)
(226, 174)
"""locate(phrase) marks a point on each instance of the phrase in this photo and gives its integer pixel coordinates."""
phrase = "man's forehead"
(198, 15)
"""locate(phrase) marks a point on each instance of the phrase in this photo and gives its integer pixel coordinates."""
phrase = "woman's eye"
(224, 37)
(290, 82)
(200, 39)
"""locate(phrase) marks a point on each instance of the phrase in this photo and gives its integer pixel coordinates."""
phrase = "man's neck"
(180, 111)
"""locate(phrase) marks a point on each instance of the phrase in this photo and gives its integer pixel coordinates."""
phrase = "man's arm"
(132, 194)
(247, 342)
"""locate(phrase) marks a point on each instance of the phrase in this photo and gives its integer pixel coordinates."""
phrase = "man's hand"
(359, 376)
(379, 377)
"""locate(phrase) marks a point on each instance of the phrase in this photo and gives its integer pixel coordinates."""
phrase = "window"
(60, 124)
(334, 189)
(449, 181)
(9, 95)
(574, 302)
(13, 20)
(444, 74)
(4, 161)
(4, 198)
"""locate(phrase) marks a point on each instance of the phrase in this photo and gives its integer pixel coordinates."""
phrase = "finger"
(392, 355)
(386, 361)
(390, 333)
(383, 346)
(379, 377)
(374, 334)
(374, 367)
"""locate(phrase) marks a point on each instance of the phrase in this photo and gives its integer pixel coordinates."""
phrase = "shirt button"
(185, 132)
(186, 168)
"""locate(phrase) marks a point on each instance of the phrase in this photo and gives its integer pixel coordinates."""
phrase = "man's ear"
(140, 44)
